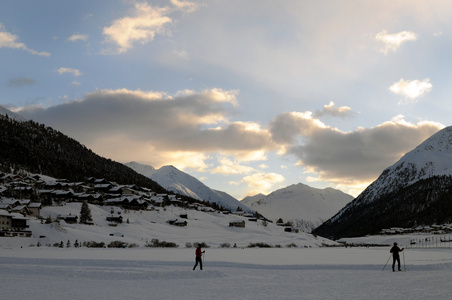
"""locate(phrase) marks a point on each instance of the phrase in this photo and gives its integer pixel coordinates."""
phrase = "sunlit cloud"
(9, 40)
(187, 6)
(229, 166)
(394, 41)
(144, 24)
(331, 110)
(411, 89)
(74, 72)
(78, 37)
(262, 182)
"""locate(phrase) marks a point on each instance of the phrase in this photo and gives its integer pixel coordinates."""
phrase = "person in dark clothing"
(198, 254)
(395, 250)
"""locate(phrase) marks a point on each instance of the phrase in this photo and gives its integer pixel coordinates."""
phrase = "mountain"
(182, 183)
(27, 145)
(416, 190)
(10, 114)
(306, 207)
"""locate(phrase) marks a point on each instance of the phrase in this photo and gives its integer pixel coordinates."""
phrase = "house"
(70, 219)
(35, 209)
(177, 222)
(5, 220)
(237, 223)
(62, 195)
(116, 219)
(21, 209)
(12, 224)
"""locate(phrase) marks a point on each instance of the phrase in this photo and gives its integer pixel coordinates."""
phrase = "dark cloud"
(20, 82)
(190, 122)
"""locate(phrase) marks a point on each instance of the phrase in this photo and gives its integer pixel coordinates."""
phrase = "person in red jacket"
(395, 256)
(198, 254)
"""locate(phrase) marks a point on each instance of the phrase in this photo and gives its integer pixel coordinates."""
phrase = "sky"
(247, 96)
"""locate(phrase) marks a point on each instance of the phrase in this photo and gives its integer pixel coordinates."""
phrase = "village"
(22, 196)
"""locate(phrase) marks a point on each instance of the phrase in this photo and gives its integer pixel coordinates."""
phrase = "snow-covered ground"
(307, 271)
(232, 273)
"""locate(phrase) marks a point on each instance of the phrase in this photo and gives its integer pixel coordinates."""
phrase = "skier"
(198, 254)
(395, 256)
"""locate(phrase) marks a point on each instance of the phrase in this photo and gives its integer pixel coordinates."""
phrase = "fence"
(431, 242)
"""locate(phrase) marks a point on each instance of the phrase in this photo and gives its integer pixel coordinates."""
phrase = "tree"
(85, 213)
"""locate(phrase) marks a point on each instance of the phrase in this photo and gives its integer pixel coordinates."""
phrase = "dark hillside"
(39, 149)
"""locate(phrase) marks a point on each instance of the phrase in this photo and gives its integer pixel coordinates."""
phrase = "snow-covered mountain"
(10, 114)
(182, 183)
(414, 190)
(306, 207)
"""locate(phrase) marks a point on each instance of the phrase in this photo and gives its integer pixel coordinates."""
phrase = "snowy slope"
(181, 183)
(140, 227)
(305, 206)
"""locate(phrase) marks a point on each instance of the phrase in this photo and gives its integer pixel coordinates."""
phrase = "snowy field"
(229, 273)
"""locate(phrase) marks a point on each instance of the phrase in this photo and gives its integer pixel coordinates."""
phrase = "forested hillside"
(39, 149)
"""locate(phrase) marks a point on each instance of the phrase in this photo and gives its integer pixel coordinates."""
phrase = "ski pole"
(387, 262)
(404, 265)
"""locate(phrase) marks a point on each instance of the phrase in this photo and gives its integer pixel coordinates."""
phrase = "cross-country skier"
(395, 256)
(198, 254)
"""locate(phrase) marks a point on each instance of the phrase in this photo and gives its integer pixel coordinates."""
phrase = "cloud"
(411, 89)
(20, 82)
(330, 110)
(189, 129)
(261, 182)
(74, 72)
(144, 24)
(185, 5)
(394, 41)
(188, 122)
(229, 166)
(347, 157)
(8, 40)
(78, 37)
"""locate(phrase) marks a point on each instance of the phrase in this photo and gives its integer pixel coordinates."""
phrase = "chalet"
(59, 195)
(116, 190)
(70, 219)
(5, 220)
(35, 209)
(183, 215)
(177, 222)
(102, 187)
(4, 206)
(237, 223)
(116, 219)
(11, 202)
(22, 191)
(4, 191)
(13, 224)
(21, 209)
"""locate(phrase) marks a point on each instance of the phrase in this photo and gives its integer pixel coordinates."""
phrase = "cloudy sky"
(247, 96)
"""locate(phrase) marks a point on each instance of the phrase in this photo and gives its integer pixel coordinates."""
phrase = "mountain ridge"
(414, 190)
(174, 180)
(306, 207)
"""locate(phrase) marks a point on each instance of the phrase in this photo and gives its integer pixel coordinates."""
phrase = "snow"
(305, 272)
(182, 183)
(306, 206)
(251, 273)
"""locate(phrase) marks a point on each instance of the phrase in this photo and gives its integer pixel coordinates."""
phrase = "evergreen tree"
(85, 213)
